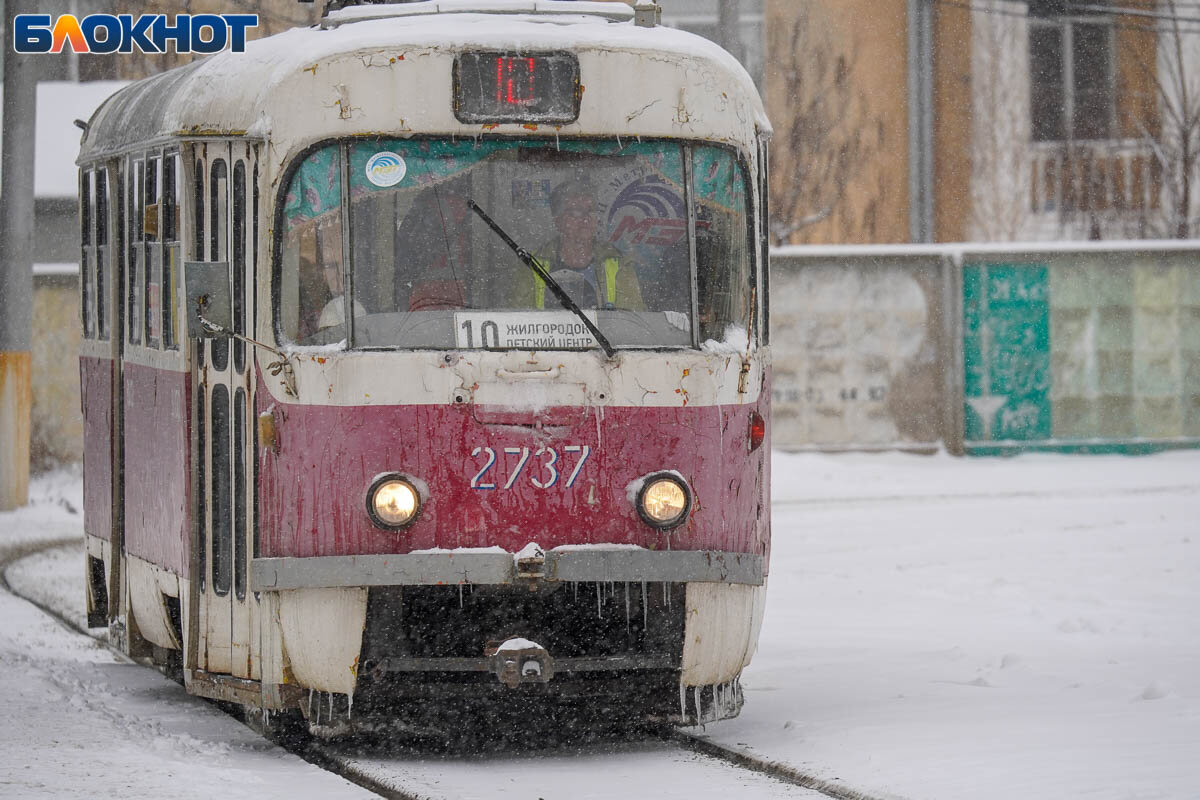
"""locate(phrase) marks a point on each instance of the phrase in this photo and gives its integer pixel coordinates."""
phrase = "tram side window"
(86, 259)
(198, 212)
(239, 263)
(152, 264)
(222, 489)
(764, 214)
(218, 208)
(724, 263)
(170, 237)
(134, 175)
(102, 259)
(198, 237)
(311, 273)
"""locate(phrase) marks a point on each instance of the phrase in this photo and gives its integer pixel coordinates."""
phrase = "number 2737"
(544, 472)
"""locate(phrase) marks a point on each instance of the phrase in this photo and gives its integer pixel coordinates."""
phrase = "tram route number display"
(543, 467)
(522, 330)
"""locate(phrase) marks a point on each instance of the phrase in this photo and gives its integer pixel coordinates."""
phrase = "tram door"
(223, 184)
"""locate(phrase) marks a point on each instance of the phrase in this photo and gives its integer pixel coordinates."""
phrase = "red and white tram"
(426, 357)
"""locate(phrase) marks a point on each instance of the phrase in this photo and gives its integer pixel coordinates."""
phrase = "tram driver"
(595, 274)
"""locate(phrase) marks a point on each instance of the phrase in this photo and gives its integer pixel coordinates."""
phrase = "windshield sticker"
(386, 169)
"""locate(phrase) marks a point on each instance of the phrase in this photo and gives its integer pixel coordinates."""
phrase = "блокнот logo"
(122, 33)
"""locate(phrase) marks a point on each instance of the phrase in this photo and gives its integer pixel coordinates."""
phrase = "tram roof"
(235, 93)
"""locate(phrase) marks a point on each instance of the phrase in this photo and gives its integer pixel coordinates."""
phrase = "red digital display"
(516, 87)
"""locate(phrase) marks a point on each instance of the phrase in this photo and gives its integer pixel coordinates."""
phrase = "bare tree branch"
(826, 135)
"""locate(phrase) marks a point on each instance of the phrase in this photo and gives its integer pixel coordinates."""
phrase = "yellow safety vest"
(611, 266)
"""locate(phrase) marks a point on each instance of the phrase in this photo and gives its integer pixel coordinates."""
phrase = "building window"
(1071, 76)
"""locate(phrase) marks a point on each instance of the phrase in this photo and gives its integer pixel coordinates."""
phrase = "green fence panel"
(1085, 352)
(1006, 353)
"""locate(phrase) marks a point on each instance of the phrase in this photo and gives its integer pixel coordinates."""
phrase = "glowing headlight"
(393, 502)
(664, 500)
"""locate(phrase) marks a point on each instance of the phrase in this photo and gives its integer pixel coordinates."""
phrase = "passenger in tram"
(433, 250)
(594, 273)
(329, 250)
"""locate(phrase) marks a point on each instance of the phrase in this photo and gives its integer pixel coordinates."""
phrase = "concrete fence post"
(16, 267)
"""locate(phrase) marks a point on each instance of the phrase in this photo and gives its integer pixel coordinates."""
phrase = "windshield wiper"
(538, 270)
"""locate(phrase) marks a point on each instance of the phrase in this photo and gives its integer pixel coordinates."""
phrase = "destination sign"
(523, 330)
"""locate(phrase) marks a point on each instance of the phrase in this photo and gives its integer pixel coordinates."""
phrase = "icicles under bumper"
(700, 705)
(607, 590)
(329, 714)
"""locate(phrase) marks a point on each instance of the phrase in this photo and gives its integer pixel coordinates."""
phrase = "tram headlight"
(664, 500)
(393, 502)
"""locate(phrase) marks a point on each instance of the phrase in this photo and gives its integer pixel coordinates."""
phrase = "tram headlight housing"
(393, 502)
(665, 500)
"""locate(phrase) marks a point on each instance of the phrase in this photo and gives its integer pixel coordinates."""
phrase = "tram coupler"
(518, 661)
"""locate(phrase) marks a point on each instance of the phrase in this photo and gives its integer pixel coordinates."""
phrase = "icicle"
(349, 706)
(627, 606)
(683, 701)
(699, 716)
(460, 597)
(645, 611)
(599, 600)
(331, 706)
(576, 585)
(310, 694)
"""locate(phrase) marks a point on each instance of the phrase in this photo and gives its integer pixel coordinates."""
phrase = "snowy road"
(936, 628)
(159, 742)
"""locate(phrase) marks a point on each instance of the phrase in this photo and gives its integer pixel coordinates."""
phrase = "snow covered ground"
(983, 628)
(936, 628)
(81, 723)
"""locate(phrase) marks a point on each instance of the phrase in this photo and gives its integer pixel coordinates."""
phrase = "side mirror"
(209, 306)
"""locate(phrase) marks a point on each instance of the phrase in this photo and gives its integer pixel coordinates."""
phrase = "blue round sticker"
(386, 169)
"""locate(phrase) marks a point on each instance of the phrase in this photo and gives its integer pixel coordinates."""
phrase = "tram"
(425, 361)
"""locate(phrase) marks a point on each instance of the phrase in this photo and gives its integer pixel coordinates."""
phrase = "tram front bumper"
(463, 568)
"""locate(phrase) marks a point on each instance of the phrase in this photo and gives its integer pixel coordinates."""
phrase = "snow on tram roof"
(602, 10)
(231, 92)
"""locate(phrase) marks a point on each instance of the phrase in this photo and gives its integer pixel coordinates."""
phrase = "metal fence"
(986, 349)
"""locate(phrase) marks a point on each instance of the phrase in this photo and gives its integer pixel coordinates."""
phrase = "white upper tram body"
(386, 69)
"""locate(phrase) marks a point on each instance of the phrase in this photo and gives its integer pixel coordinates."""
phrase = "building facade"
(983, 120)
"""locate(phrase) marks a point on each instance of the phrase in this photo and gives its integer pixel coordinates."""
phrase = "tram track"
(386, 773)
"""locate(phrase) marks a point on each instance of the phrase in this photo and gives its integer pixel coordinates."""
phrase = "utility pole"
(729, 28)
(16, 267)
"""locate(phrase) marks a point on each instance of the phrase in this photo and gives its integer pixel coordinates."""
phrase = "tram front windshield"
(381, 230)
